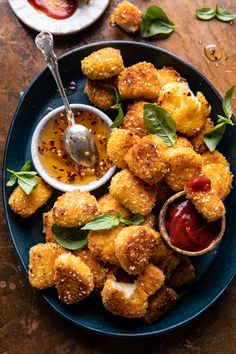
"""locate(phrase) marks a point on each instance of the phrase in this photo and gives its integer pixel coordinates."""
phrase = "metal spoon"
(78, 141)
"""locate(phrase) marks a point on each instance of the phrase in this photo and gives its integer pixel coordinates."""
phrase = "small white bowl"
(38, 164)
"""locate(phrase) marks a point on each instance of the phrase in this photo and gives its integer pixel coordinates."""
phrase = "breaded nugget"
(214, 157)
(163, 191)
(150, 220)
(127, 16)
(139, 81)
(145, 159)
(101, 244)
(134, 246)
(48, 221)
(197, 140)
(183, 274)
(110, 205)
(76, 208)
(159, 304)
(151, 279)
(133, 193)
(182, 142)
(221, 178)
(124, 299)
(188, 111)
(165, 258)
(134, 119)
(73, 278)
(184, 164)
(118, 145)
(98, 95)
(102, 64)
(41, 264)
(26, 204)
(167, 75)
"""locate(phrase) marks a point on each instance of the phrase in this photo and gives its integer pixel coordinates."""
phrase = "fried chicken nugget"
(183, 274)
(184, 163)
(110, 205)
(134, 119)
(98, 95)
(118, 145)
(134, 246)
(139, 81)
(182, 142)
(127, 16)
(145, 159)
(73, 278)
(188, 111)
(26, 204)
(221, 178)
(75, 208)
(102, 64)
(48, 221)
(41, 264)
(214, 157)
(133, 193)
(197, 140)
(151, 279)
(150, 220)
(167, 75)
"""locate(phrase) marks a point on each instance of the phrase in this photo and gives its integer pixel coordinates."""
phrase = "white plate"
(84, 16)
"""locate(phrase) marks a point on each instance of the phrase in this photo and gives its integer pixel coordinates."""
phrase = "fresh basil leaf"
(113, 90)
(25, 178)
(226, 104)
(155, 22)
(224, 15)
(225, 120)
(26, 167)
(71, 238)
(11, 181)
(158, 121)
(27, 183)
(103, 222)
(120, 116)
(213, 136)
(206, 13)
(136, 220)
(27, 173)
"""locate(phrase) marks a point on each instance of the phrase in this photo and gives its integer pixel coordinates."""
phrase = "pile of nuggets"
(136, 274)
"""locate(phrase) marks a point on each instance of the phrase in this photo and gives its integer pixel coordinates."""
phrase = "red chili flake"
(52, 142)
(61, 169)
(93, 122)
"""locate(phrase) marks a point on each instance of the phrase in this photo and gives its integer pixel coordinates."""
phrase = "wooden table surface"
(27, 325)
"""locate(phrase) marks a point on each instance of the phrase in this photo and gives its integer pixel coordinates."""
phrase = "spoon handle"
(44, 42)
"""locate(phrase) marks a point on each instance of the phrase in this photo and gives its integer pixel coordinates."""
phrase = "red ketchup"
(56, 9)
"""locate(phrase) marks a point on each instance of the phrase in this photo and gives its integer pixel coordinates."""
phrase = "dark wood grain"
(27, 325)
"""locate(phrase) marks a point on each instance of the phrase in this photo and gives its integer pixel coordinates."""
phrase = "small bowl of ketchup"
(184, 228)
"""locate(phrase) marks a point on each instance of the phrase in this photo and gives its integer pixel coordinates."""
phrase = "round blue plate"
(214, 270)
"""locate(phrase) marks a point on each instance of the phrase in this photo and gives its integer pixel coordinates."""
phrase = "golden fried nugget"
(73, 278)
(184, 164)
(118, 145)
(188, 111)
(182, 142)
(197, 140)
(167, 75)
(134, 119)
(139, 81)
(151, 279)
(134, 246)
(48, 221)
(145, 159)
(221, 178)
(214, 157)
(41, 264)
(26, 204)
(133, 193)
(110, 205)
(75, 208)
(127, 16)
(159, 304)
(101, 244)
(124, 299)
(98, 95)
(165, 258)
(183, 274)
(150, 220)
(102, 64)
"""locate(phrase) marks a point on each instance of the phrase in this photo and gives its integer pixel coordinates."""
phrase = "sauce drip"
(188, 230)
(199, 184)
(58, 9)
(212, 52)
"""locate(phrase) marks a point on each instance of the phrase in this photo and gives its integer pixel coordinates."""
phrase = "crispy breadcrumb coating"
(150, 220)
(127, 16)
(139, 81)
(26, 204)
(98, 95)
(75, 208)
(167, 75)
(182, 142)
(221, 178)
(73, 278)
(102, 64)
(134, 119)
(184, 164)
(183, 274)
(118, 145)
(145, 159)
(197, 140)
(134, 246)
(110, 205)
(214, 157)
(151, 279)
(133, 193)
(165, 258)
(48, 221)
(41, 264)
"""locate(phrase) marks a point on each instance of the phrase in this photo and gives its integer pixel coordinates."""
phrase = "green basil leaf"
(224, 15)
(213, 136)
(136, 220)
(155, 22)
(25, 178)
(27, 183)
(27, 173)
(206, 13)
(71, 238)
(12, 180)
(158, 121)
(113, 90)
(226, 104)
(103, 222)
(120, 116)
(26, 167)
(225, 120)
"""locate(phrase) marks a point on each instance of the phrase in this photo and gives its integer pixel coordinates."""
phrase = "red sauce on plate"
(199, 184)
(188, 230)
(58, 9)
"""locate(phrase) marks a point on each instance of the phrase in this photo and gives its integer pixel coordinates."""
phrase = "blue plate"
(214, 270)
